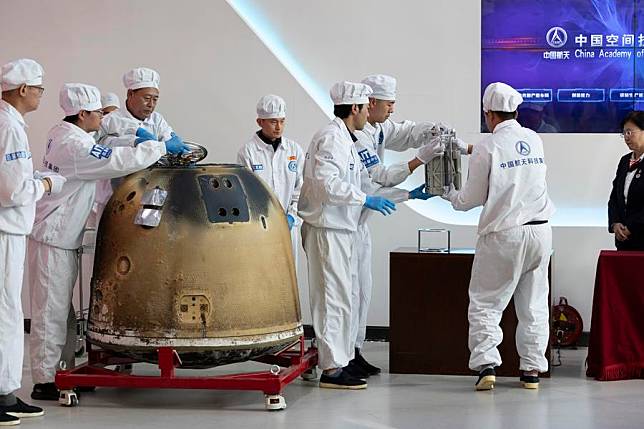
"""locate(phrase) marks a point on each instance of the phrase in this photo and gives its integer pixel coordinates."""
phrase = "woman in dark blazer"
(626, 203)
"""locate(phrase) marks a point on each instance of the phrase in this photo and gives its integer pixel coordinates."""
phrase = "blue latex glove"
(143, 136)
(380, 204)
(175, 145)
(420, 194)
(291, 221)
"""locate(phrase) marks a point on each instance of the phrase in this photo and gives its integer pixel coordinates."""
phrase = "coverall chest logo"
(522, 148)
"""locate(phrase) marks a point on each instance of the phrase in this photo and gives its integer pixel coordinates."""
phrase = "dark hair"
(71, 119)
(636, 117)
(504, 116)
(343, 111)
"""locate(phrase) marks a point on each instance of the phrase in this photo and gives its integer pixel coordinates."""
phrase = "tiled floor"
(567, 400)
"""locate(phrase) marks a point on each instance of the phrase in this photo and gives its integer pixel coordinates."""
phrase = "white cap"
(350, 93)
(271, 107)
(501, 97)
(383, 86)
(110, 99)
(141, 77)
(21, 72)
(74, 97)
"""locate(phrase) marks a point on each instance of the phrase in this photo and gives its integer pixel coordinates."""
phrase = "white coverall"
(19, 192)
(335, 188)
(507, 175)
(119, 129)
(57, 234)
(371, 145)
(281, 170)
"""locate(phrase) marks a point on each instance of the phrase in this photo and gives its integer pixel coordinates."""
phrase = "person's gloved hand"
(380, 204)
(143, 136)
(430, 150)
(462, 146)
(443, 127)
(449, 193)
(291, 221)
(419, 193)
(56, 181)
(175, 145)
(424, 131)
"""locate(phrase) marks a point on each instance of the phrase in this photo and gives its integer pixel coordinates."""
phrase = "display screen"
(579, 64)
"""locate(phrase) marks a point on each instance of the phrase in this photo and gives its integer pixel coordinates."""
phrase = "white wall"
(214, 68)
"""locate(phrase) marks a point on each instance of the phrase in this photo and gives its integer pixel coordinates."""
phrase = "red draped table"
(616, 347)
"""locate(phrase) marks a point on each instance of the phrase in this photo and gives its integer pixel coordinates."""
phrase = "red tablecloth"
(616, 347)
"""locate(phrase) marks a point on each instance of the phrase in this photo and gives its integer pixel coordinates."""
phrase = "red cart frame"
(287, 365)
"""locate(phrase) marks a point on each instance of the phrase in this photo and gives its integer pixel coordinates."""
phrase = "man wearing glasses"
(139, 120)
(57, 234)
(21, 83)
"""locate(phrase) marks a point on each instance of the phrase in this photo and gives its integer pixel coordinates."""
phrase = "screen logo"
(556, 37)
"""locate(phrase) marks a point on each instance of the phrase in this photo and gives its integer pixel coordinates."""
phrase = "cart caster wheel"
(68, 398)
(275, 402)
(310, 375)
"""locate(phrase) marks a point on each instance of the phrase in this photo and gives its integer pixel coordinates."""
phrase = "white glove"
(55, 180)
(449, 192)
(442, 127)
(462, 146)
(423, 132)
(435, 147)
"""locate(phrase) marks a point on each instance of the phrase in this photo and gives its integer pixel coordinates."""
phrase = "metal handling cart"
(286, 366)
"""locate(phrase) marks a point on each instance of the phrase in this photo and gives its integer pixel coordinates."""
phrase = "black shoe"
(487, 379)
(20, 409)
(343, 381)
(366, 366)
(529, 381)
(45, 392)
(355, 370)
(8, 420)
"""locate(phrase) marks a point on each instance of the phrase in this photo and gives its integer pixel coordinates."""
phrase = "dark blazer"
(631, 214)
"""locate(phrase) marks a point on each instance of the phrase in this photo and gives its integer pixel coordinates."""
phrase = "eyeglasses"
(629, 133)
(99, 112)
(39, 88)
